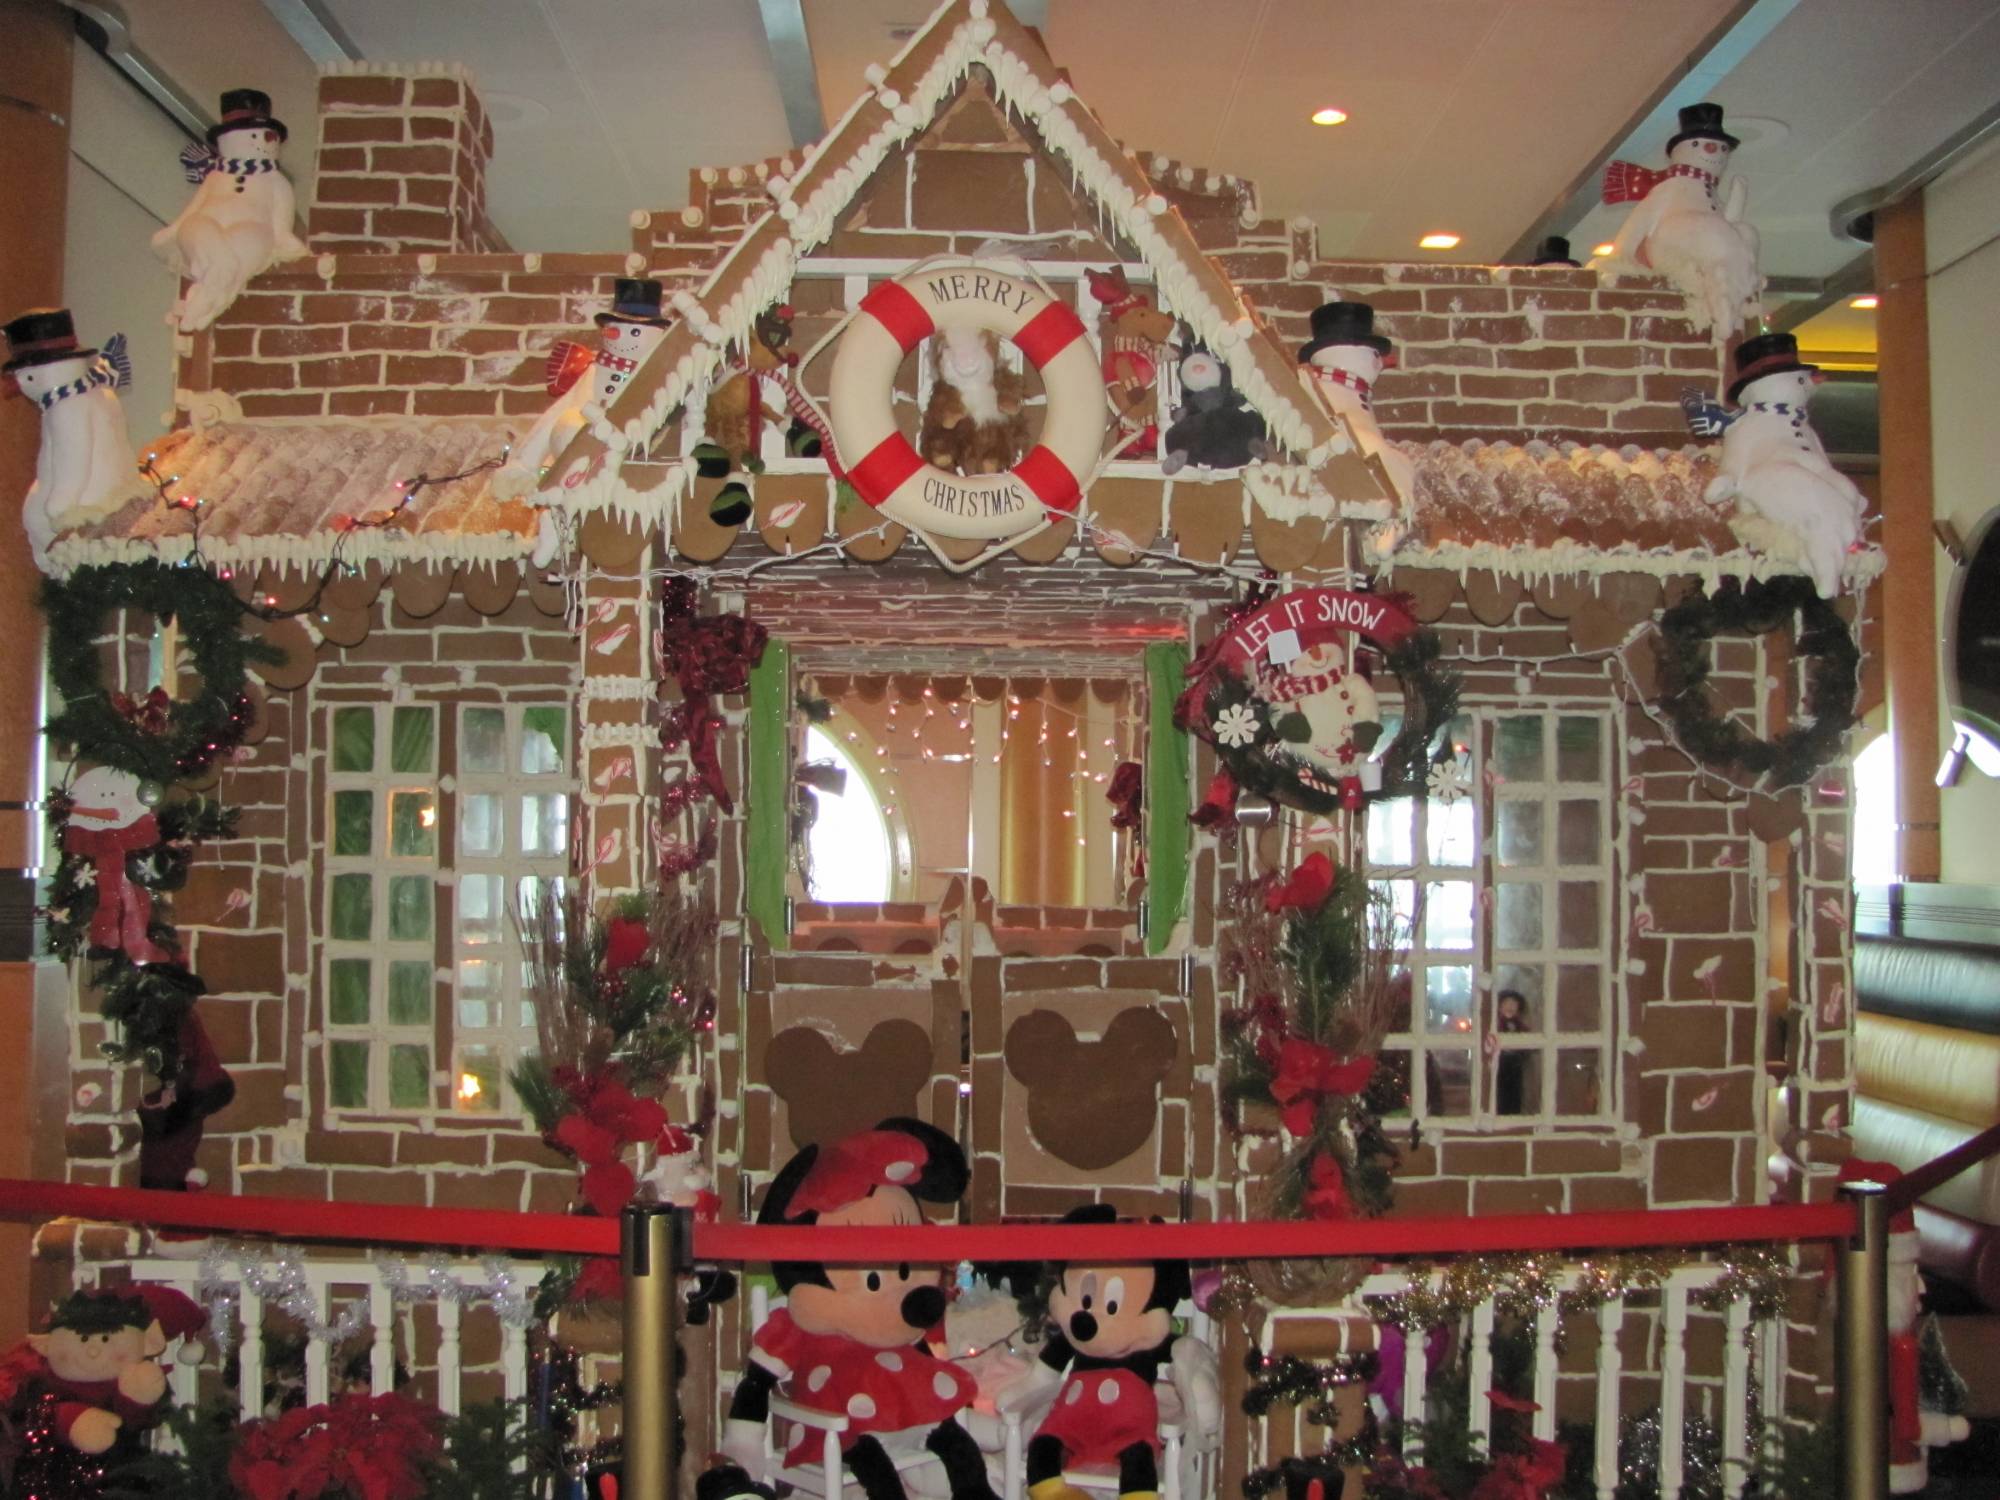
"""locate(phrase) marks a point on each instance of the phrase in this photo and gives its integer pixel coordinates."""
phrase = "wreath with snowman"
(1286, 697)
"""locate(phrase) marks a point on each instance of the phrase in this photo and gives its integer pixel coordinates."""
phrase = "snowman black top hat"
(1703, 122)
(41, 336)
(1553, 251)
(636, 300)
(246, 109)
(1766, 354)
(1337, 323)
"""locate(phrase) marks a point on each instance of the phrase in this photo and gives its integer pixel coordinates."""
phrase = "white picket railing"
(383, 1292)
(1726, 1402)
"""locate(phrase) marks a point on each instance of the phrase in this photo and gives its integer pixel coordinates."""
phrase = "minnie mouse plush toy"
(1111, 1329)
(850, 1339)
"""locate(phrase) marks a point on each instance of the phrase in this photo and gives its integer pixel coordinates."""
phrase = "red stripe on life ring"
(1049, 477)
(1048, 333)
(901, 314)
(888, 465)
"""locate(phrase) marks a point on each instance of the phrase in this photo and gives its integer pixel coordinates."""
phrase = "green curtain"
(767, 801)
(1169, 799)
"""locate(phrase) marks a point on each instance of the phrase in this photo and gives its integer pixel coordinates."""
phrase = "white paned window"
(418, 1019)
(512, 845)
(381, 907)
(1510, 1013)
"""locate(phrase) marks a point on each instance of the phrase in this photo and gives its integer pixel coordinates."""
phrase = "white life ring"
(887, 471)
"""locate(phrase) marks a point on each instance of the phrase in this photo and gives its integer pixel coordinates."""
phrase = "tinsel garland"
(281, 1284)
(511, 1298)
(1285, 1379)
(1523, 1285)
(1717, 740)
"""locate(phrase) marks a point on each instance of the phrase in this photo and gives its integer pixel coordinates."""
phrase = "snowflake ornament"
(1448, 781)
(1235, 726)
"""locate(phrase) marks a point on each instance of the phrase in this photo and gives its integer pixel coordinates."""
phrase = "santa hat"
(1903, 1225)
(178, 1314)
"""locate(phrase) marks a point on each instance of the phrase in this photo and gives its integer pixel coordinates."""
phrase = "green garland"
(199, 729)
(1268, 767)
(1717, 740)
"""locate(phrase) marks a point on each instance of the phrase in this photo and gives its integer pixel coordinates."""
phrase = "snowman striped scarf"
(113, 368)
(199, 160)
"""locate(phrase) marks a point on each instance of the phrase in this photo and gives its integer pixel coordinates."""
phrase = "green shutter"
(1168, 796)
(767, 801)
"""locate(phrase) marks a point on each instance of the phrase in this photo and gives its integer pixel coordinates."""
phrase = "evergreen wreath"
(197, 730)
(1716, 739)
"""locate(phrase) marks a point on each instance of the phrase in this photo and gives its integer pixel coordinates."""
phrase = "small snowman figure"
(1677, 230)
(1344, 358)
(85, 469)
(1791, 503)
(1343, 718)
(110, 818)
(239, 221)
(583, 380)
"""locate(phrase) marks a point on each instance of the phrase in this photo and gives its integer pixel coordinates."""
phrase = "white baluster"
(317, 1383)
(1545, 1373)
(1610, 1370)
(514, 1360)
(382, 1354)
(250, 1356)
(1673, 1385)
(830, 1457)
(448, 1352)
(1736, 1398)
(1416, 1365)
(1482, 1373)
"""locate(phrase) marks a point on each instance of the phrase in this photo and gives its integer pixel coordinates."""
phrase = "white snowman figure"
(111, 818)
(85, 469)
(1677, 230)
(1345, 357)
(1791, 503)
(582, 379)
(238, 224)
(1342, 714)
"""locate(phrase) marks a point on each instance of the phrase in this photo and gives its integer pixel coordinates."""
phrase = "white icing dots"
(861, 1404)
(889, 1359)
(1060, 92)
(691, 216)
(1155, 204)
(819, 1377)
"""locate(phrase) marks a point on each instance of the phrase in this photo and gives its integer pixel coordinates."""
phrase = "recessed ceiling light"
(1866, 301)
(1602, 250)
(1439, 241)
(1329, 116)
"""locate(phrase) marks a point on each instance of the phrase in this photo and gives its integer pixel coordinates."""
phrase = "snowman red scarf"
(124, 908)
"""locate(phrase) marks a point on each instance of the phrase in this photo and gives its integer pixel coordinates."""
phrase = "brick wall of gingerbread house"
(402, 162)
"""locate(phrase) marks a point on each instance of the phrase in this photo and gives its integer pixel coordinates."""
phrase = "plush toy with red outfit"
(1111, 1332)
(1913, 1431)
(850, 1340)
(96, 1364)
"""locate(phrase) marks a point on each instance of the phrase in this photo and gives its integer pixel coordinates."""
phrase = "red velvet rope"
(1111, 1244)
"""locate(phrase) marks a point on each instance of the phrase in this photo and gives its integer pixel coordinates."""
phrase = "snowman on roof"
(1677, 230)
(239, 221)
(85, 469)
(1344, 358)
(582, 379)
(1791, 503)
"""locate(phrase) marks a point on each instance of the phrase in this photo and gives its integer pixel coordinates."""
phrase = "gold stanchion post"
(1863, 1346)
(653, 1254)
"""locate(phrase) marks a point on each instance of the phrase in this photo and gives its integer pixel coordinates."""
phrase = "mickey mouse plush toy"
(1111, 1329)
(850, 1339)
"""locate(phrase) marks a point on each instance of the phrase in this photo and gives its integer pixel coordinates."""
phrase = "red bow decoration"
(1304, 889)
(1218, 804)
(1326, 1197)
(566, 364)
(626, 940)
(370, 1447)
(124, 909)
(1308, 1072)
(1628, 182)
(608, 1117)
(1127, 788)
(151, 714)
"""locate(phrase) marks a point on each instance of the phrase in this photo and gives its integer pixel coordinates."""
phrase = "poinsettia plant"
(351, 1448)
(1318, 954)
